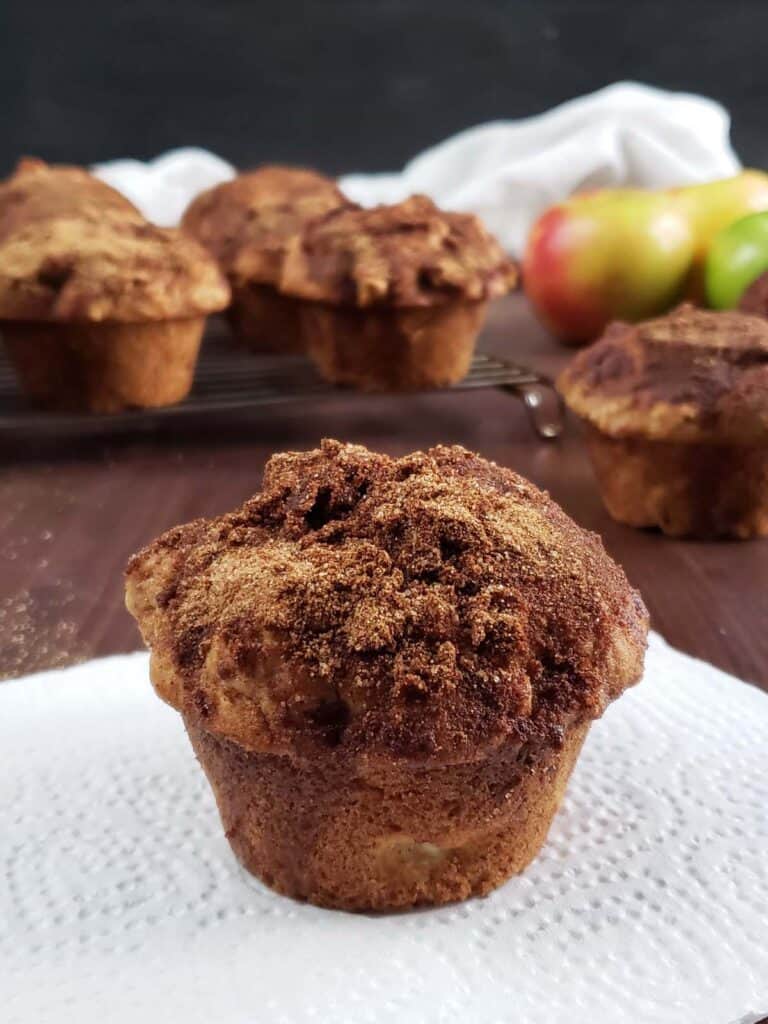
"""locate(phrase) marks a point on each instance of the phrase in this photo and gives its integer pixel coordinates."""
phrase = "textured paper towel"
(122, 902)
(508, 171)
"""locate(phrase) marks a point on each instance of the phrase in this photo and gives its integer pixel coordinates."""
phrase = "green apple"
(713, 206)
(738, 256)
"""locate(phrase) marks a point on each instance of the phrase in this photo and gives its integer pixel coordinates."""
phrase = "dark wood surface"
(70, 517)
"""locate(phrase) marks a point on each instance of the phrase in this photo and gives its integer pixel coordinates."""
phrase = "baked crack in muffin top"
(246, 223)
(106, 268)
(692, 375)
(432, 608)
(409, 254)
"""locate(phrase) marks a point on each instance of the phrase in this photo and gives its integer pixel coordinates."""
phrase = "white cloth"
(123, 903)
(508, 171)
(163, 188)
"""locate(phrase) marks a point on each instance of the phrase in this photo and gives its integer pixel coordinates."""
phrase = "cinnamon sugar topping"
(40, 191)
(409, 254)
(246, 223)
(106, 267)
(691, 375)
(429, 607)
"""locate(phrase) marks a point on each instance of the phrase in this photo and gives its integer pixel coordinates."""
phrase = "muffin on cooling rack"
(387, 668)
(393, 297)
(101, 312)
(246, 224)
(676, 417)
(40, 191)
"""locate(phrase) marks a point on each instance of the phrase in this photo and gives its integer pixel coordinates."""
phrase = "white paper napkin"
(508, 171)
(122, 902)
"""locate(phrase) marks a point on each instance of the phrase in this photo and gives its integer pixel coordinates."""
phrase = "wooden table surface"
(71, 516)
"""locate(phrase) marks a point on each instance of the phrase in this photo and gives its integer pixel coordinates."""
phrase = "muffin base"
(406, 349)
(699, 490)
(104, 367)
(263, 320)
(392, 837)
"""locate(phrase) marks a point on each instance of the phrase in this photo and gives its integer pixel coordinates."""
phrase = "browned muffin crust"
(686, 489)
(432, 607)
(104, 367)
(410, 348)
(693, 375)
(245, 223)
(409, 254)
(374, 836)
(40, 191)
(106, 268)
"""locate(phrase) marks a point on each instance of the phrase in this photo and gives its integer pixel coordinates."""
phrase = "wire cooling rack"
(231, 380)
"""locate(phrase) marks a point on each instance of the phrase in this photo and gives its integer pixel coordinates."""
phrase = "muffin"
(755, 298)
(38, 191)
(105, 312)
(394, 296)
(387, 668)
(676, 418)
(245, 224)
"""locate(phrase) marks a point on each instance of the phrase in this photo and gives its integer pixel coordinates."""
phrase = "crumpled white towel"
(507, 172)
(163, 188)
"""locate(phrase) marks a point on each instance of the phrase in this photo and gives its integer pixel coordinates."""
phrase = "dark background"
(347, 85)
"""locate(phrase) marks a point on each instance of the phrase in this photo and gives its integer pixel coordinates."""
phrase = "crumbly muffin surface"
(692, 375)
(432, 607)
(245, 223)
(39, 191)
(106, 267)
(409, 254)
(755, 298)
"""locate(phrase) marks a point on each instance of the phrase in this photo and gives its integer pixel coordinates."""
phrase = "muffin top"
(755, 298)
(245, 223)
(410, 254)
(106, 268)
(430, 608)
(693, 375)
(39, 191)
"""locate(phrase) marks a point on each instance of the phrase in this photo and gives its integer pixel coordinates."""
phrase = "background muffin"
(246, 224)
(676, 414)
(396, 295)
(103, 312)
(755, 298)
(387, 668)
